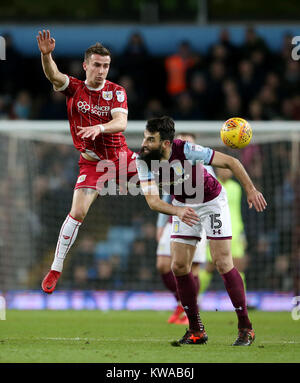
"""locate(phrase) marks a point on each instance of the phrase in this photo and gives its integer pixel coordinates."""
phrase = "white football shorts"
(214, 220)
(163, 248)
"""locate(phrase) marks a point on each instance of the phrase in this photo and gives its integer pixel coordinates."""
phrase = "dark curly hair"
(164, 125)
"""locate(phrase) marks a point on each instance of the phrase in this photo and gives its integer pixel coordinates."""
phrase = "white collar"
(99, 88)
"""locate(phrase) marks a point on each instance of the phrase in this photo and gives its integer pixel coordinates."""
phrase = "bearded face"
(151, 156)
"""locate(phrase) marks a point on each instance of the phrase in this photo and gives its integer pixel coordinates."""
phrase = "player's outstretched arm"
(116, 125)
(254, 197)
(151, 193)
(46, 45)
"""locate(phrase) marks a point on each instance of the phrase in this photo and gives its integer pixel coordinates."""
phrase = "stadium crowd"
(247, 80)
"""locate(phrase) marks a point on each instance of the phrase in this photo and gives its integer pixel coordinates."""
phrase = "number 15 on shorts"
(215, 223)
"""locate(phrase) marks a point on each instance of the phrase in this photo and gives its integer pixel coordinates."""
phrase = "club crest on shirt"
(178, 169)
(107, 95)
(81, 178)
(120, 95)
(175, 226)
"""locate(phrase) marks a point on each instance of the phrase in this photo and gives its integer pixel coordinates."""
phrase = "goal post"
(116, 245)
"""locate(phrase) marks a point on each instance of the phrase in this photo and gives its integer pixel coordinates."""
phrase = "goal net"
(116, 245)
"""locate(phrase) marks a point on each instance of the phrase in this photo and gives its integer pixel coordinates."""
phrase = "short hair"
(165, 126)
(185, 134)
(98, 49)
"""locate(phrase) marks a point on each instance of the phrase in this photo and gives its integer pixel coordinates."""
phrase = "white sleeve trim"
(64, 87)
(122, 110)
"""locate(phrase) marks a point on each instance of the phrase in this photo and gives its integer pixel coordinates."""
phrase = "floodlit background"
(232, 59)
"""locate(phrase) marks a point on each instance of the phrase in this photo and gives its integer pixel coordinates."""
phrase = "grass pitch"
(141, 337)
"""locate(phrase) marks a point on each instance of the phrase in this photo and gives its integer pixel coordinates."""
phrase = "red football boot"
(176, 314)
(50, 280)
(182, 320)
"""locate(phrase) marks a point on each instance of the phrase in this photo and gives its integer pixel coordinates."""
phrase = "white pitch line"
(76, 339)
(91, 339)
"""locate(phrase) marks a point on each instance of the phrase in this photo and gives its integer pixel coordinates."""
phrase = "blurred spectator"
(231, 50)
(296, 107)
(233, 106)
(134, 62)
(229, 87)
(291, 77)
(270, 102)
(253, 43)
(261, 65)
(133, 100)
(154, 108)
(217, 73)
(176, 67)
(287, 109)
(198, 90)
(185, 108)
(76, 69)
(54, 108)
(248, 87)
(287, 46)
(256, 111)
(81, 262)
(21, 108)
(4, 112)
(135, 57)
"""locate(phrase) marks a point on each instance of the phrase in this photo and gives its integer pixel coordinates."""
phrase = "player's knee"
(180, 267)
(224, 263)
(78, 213)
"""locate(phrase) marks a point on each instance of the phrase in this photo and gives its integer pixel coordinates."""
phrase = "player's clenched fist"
(187, 215)
(46, 43)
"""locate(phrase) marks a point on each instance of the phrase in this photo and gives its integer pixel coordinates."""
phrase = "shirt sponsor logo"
(120, 95)
(107, 95)
(81, 178)
(100, 111)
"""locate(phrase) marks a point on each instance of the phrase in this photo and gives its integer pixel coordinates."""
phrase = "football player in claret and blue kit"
(200, 202)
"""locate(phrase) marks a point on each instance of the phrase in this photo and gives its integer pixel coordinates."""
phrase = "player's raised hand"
(256, 199)
(88, 131)
(46, 43)
(188, 215)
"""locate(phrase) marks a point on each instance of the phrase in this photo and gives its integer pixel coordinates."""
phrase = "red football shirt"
(88, 106)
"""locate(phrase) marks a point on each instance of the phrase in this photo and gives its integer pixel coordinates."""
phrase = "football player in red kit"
(97, 113)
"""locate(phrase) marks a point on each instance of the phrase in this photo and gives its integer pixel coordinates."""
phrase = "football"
(236, 133)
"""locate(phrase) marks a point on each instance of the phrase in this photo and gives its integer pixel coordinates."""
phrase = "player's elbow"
(153, 203)
(231, 162)
(122, 124)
